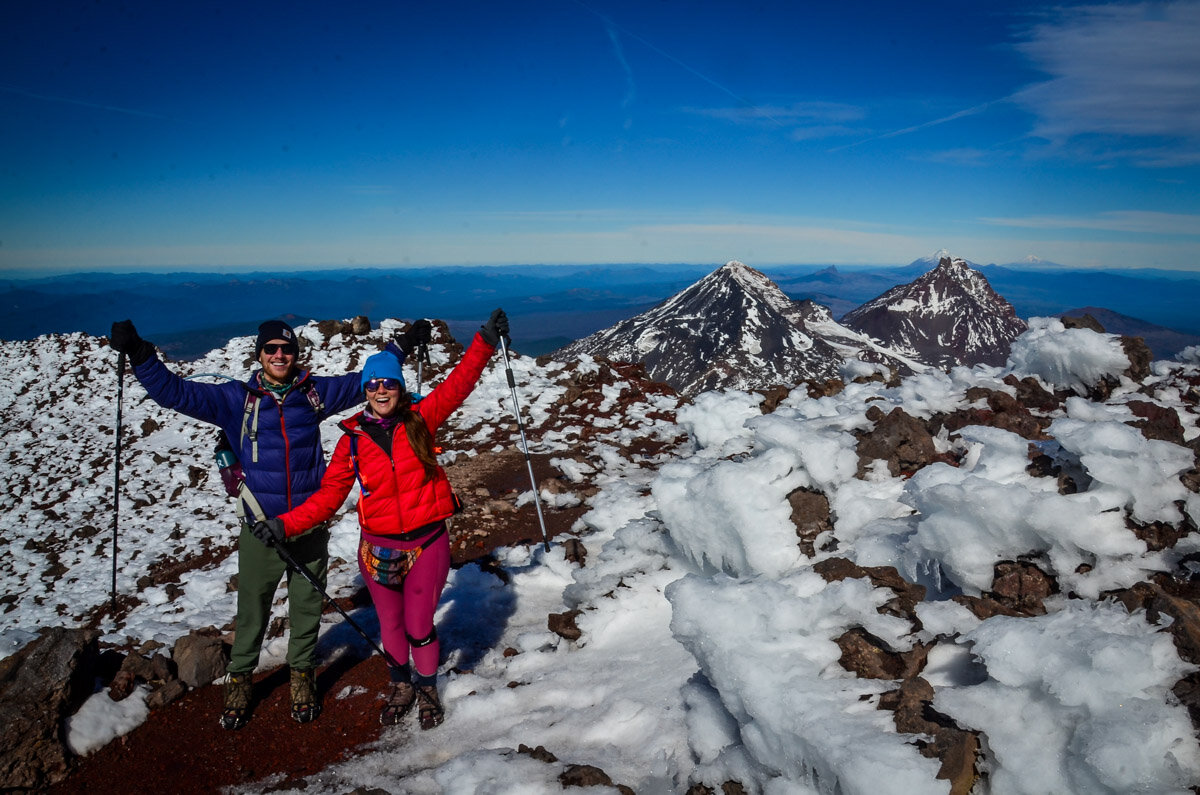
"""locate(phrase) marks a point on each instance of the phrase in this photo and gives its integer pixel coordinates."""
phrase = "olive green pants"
(259, 571)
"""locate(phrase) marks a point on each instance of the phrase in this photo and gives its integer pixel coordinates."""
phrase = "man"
(272, 422)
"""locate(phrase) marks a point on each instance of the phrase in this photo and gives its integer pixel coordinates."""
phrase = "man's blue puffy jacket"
(290, 460)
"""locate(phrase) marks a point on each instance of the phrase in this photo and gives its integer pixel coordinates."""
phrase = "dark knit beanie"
(273, 330)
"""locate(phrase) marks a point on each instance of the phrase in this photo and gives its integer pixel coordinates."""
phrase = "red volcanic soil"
(181, 748)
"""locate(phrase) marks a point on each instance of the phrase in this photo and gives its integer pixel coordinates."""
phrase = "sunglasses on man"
(287, 347)
(390, 384)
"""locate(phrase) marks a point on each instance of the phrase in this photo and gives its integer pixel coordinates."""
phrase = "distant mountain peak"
(935, 259)
(948, 316)
(734, 328)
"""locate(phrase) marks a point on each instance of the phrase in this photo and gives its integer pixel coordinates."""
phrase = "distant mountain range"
(735, 329)
(188, 314)
(1035, 288)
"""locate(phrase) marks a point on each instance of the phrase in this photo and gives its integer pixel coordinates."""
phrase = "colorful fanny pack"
(388, 566)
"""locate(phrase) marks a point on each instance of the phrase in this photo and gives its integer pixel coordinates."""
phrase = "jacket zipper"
(287, 451)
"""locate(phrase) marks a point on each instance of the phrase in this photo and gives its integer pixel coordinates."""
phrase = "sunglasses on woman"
(271, 347)
(390, 384)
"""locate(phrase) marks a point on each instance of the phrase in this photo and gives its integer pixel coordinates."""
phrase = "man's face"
(278, 360)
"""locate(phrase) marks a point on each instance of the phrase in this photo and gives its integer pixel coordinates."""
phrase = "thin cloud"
(965, 156)
(81, 103)
(1130, 69)
(822, 112)
(821, 131)
(1127, 221)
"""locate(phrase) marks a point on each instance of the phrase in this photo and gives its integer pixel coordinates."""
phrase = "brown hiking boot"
(305, 707)
(236, 710)
(429, 709)
(397, 704)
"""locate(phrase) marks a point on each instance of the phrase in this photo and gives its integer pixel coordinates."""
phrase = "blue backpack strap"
(354, 462)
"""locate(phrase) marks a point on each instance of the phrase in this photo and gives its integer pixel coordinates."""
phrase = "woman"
(404, 551)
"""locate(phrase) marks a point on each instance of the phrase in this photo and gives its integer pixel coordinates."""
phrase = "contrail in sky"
(82, 103)
(614, 26)
(956, 115)
(616, 41)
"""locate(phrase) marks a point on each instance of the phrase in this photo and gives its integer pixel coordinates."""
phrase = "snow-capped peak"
(948, 316)
(735, 328)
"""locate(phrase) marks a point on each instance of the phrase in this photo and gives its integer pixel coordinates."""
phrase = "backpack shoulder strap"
(248, 508)
(250, 424)
(354, 463)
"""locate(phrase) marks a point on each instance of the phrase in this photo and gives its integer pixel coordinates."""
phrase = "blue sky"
(212, 135)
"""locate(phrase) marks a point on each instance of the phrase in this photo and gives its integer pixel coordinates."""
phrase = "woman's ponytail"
(421, 441)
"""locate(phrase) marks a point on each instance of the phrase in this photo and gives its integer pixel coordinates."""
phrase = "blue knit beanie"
(382, 365)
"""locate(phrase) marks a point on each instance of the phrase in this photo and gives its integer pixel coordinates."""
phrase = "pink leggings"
(407, 611)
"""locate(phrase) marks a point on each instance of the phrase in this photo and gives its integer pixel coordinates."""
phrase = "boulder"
(40, 686)
(1032, 395)
(200, 657)
(563, 624)
(811, 515)
(1140, 357)
(589, 776)
(1022, 587)
(1157, 422)
(575, 551)
(898, 438)
(955, 748)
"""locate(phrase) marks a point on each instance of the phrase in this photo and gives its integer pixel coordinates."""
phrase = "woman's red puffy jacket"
(396, 496)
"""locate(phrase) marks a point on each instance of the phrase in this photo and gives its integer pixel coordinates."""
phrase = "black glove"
(269, 531)
(495, 328)
(124, 339)
(419, 333)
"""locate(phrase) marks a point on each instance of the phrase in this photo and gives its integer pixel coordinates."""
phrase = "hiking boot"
(305, 707)
(397, 704)
(236, 711)
(429, 708)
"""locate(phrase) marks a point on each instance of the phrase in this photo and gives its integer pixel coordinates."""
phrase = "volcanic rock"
(40, 686)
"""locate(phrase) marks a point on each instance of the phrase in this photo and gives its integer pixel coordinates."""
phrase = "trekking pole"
(512, 386)
(295, 566)
(422, 355)
(117, 477)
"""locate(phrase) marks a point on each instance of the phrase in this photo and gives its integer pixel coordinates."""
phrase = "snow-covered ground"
(708, 647)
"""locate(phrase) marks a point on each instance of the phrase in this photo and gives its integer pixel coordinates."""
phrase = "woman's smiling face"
(384, 399)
